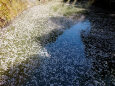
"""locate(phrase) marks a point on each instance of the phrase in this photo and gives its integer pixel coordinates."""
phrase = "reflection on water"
(69, 44)
(66, 65)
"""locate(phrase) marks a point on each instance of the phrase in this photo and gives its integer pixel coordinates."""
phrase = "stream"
(65, 63)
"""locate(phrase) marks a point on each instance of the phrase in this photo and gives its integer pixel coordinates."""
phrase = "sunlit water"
(66, 63)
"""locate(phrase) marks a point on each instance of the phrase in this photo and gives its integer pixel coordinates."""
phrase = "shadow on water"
(70, 39)
(66, 63)
(49, 38)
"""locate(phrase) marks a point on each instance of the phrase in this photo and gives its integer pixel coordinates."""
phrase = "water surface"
(66, 63)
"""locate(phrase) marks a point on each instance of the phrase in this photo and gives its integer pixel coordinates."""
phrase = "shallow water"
(65, 63)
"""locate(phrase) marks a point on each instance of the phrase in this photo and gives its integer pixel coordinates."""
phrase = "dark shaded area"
(48, 38)
(100, 46)
(106, 4)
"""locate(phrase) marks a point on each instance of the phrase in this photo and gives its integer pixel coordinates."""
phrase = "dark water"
(65, 63)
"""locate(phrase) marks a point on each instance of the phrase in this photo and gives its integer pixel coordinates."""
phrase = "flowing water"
(66, 63)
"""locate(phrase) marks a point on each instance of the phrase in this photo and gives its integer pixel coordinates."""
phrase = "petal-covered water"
(65, 63)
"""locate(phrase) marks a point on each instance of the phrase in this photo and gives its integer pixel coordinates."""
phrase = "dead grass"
(11, 8)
